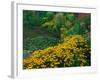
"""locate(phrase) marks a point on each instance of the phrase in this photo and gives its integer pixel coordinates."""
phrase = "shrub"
(74, 51)
(40, 42)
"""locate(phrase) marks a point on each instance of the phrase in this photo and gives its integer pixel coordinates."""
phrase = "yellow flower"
(64, 54)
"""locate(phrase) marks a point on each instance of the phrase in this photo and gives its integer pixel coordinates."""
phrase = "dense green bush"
(54, 21)
(40, 42)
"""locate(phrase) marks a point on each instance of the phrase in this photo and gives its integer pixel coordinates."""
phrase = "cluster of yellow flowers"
(74, 51)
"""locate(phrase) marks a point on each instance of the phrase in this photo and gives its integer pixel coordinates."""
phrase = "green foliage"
(70, 16)
(54, 22)
(86, 20)
(74, 30)
(59, 19)
(85, 23)
(67, 24)
(30, 18)
(59, 23)
(49, 15)
(40, 42)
